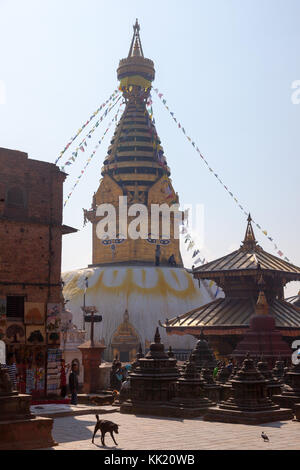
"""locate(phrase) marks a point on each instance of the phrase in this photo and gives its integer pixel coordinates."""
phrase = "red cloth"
(63, 377)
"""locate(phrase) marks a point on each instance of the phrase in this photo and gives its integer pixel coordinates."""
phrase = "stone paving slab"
(60, 411)
(153, 433)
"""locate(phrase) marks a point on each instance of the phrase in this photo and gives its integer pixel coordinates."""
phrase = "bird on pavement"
(265, 437)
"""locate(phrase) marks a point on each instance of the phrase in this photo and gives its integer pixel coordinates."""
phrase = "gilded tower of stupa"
(136, 168)
(133, 282)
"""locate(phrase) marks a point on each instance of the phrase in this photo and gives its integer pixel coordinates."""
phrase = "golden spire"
(249, 240)
(262, 306)
(136, 49)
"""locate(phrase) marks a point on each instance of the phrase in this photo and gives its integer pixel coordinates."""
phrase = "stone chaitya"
(19, 429)
(190, 400)
(222, 379)
(212, 390)
(290, 395)
(152, 382)
(203, 355)
(278, 371)
(274, 385)
(249, 402)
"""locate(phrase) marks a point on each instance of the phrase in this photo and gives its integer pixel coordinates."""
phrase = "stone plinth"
(19, 429)
(91, 359)
(152, 383)
(297, 411)
(290, 395)
(189, 400)
(27, 434)
(212, 391)
(15, 406)
(104, 376)
(249, 402)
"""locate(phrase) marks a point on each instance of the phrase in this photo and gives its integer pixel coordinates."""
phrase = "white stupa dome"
(149, 294)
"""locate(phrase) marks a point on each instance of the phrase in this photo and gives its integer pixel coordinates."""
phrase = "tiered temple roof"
(239, 274)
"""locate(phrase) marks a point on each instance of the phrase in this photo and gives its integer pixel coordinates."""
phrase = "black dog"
(105, 426)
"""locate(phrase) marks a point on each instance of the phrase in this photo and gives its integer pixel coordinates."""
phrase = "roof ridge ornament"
(249, 240)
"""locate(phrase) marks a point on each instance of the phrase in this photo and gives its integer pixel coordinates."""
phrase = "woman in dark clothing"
(73, 384)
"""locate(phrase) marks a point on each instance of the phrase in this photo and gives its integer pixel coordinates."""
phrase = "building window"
(15, 197)
(15, 307)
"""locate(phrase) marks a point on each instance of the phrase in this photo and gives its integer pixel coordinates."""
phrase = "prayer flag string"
(115, 119)
(83, 144)
(180, 126)
(86, 124)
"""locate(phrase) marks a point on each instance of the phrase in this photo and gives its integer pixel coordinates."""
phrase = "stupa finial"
(262, 306)
(136, 49)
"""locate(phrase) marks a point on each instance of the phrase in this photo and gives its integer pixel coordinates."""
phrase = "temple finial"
(136, 49)
(249, 240)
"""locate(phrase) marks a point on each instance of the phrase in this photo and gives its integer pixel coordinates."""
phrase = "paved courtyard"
(151, 433)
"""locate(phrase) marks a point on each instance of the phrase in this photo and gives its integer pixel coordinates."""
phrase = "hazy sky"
(226, 68)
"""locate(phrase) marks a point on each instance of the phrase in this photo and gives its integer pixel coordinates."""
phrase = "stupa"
(212, 390)
(126, 273)
(262, 338)
(203, 355)
(278, 371)
(274, 385)
(190, 400)
(152, 382)
(249, 402)
(290, 395)
(226, 320)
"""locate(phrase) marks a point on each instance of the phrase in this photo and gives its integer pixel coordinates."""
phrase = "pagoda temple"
(241, 275)
(132, 282)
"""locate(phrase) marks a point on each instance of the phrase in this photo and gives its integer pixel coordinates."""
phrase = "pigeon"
(265, 437)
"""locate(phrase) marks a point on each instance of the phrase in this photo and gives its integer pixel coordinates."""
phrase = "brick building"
(31, 229)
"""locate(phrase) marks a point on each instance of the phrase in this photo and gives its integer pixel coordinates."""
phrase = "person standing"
(12, 370)
(73, 384)
(63, 378)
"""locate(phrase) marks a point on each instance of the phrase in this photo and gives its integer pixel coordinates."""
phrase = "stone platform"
(60, 411)
(27, 434)
(154, 409)
(286, 401)
(250, 417)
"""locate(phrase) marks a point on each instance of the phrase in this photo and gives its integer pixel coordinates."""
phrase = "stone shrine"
(202, 355)
(152, 382)
(290, 395)
(249, 402)
(274, 385)
(190, 401)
